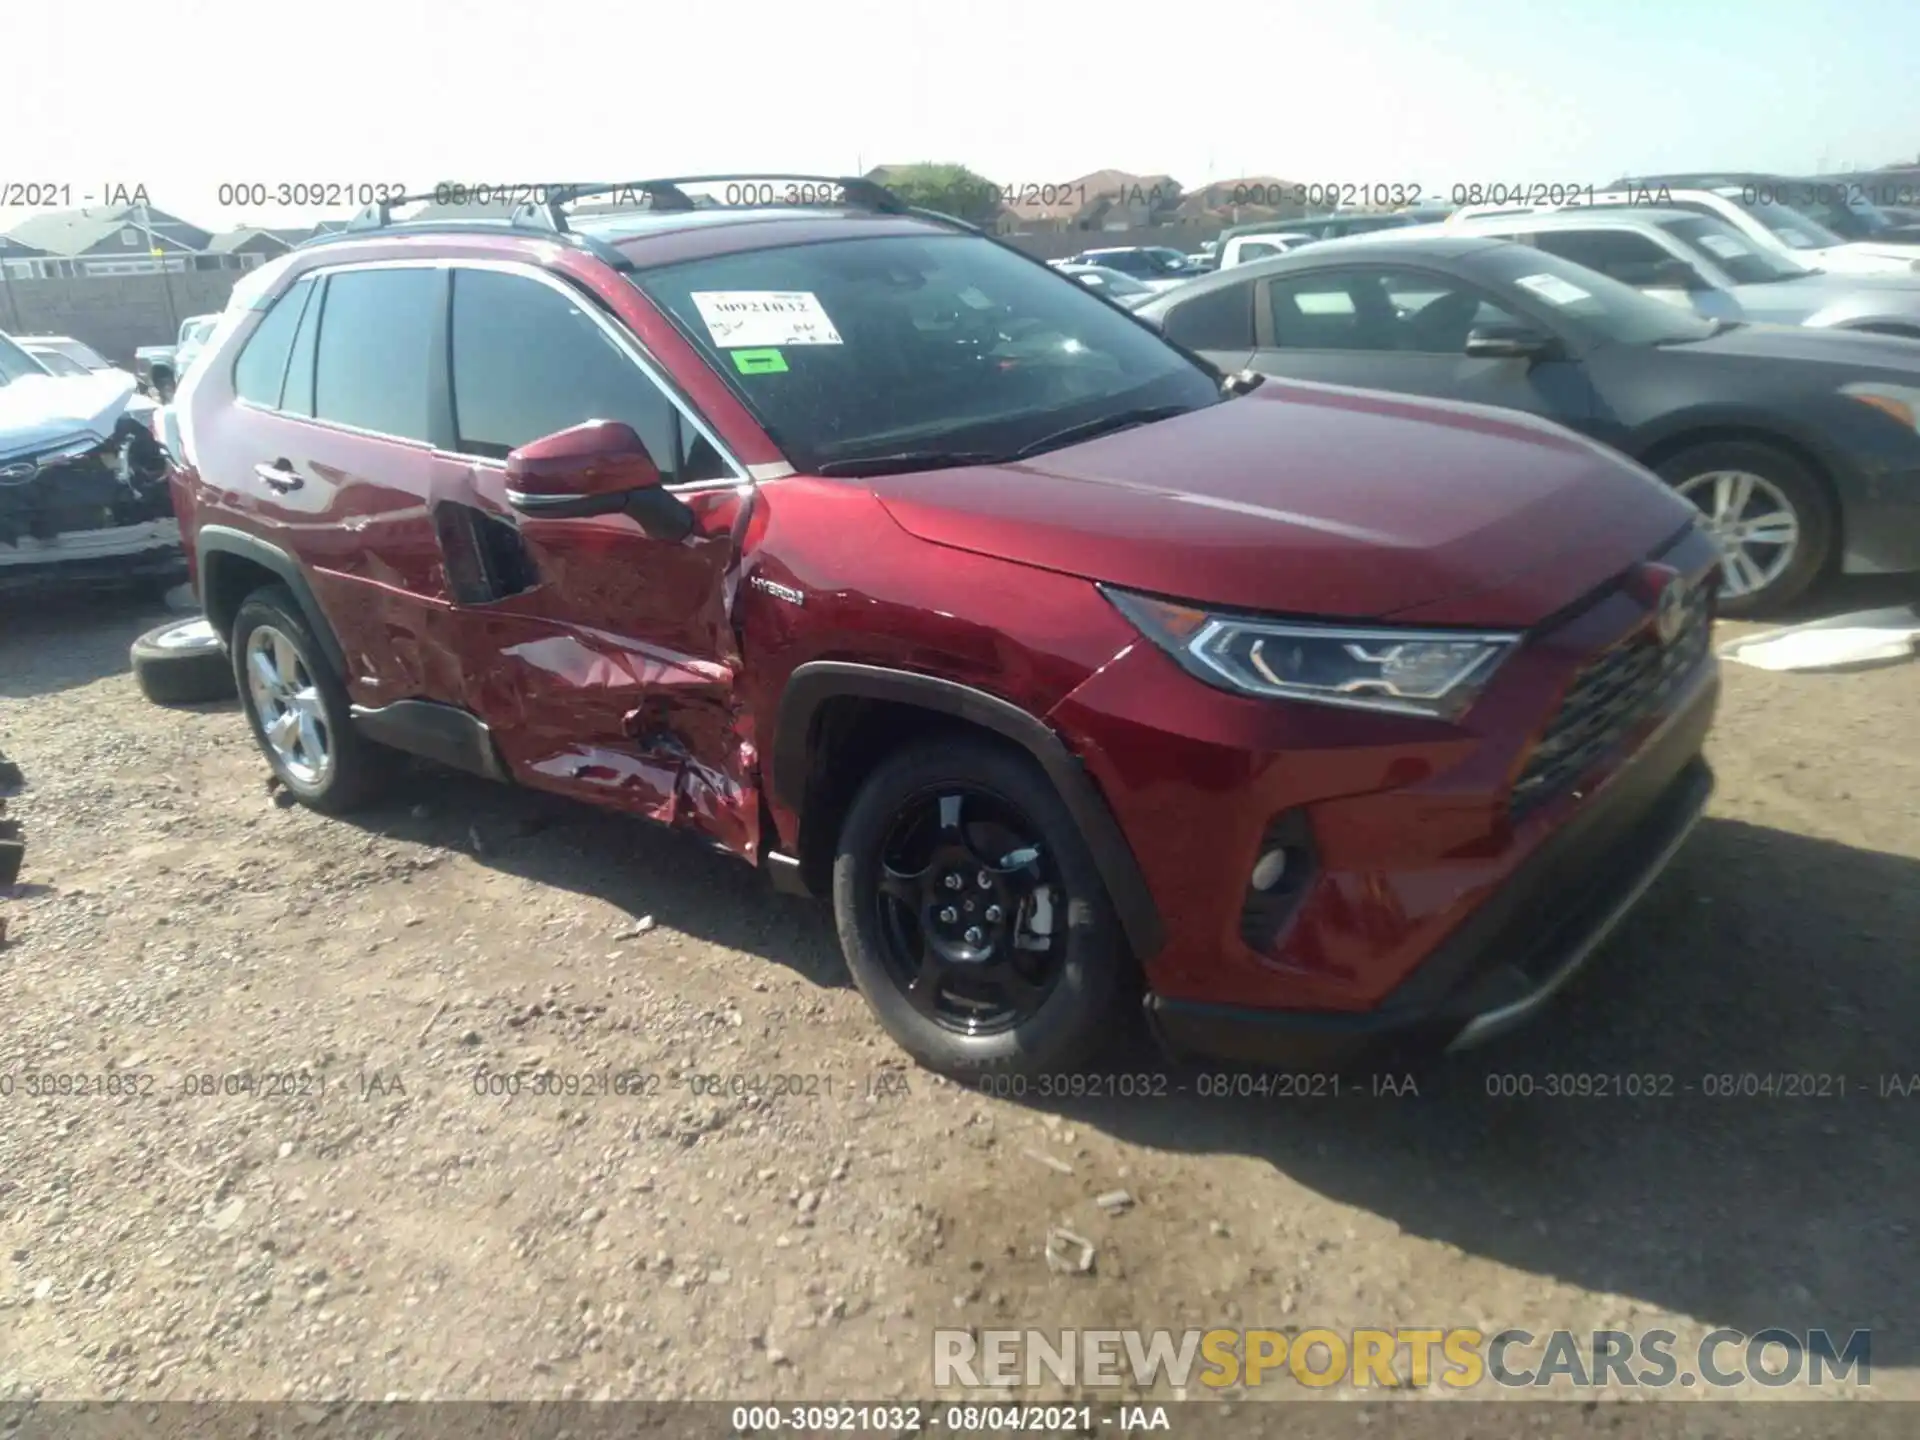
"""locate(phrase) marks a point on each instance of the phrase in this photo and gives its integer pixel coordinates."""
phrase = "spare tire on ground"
(12, 848)
(183, 662)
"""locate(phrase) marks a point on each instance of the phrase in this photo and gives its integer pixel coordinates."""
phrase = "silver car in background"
(1705, 265)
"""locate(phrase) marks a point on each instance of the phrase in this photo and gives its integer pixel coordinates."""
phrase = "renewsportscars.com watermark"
(1397, 1359)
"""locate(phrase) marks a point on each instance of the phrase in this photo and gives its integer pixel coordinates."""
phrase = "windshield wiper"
(1102, 425)
(903, 460)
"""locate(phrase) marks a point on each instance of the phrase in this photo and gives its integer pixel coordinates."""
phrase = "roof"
(1435, 246)
(661, 238)
(75, 232)
(11, 246)
(1619, 217)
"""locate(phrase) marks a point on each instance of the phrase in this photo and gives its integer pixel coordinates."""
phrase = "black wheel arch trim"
(223, 540)
(813, 684)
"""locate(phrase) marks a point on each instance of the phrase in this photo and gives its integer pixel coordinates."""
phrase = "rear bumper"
(1508, 959)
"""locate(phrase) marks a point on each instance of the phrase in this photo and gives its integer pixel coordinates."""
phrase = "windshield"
(1596, 305)
(1793, 229)
(860, 348)
(1743, 261)
(57, 364)
(15, 362)
(1848, 216)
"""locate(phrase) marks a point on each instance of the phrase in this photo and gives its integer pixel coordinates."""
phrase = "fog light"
(1270, 869)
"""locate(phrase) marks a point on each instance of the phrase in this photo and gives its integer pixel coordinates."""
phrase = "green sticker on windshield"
(759, 362)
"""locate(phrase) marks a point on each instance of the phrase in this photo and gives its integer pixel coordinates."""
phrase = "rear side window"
(1218, 320)
(375, 350)
(261, 370)
(529, 361)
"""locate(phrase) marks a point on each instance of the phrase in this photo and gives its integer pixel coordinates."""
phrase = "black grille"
(1609, 698)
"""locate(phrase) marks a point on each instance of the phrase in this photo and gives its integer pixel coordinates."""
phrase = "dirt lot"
(387, 1228)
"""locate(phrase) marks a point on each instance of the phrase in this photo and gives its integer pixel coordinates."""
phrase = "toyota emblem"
(18, 473)
(1670, 613)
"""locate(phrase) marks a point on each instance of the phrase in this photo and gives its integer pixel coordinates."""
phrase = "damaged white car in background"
(83, 481)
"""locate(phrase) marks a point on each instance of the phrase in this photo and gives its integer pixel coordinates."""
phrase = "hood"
(1806, 295)
(1315, 500)
(1864, 257)
(1855, 351)
(41, 410)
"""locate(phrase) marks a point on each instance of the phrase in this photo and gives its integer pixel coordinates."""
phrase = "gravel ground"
(385, 1226)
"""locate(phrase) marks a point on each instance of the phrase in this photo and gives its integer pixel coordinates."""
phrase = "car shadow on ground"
(1671, 1176)
(639, 868)
(1845, 594)
(61, 640)
(1761, 953)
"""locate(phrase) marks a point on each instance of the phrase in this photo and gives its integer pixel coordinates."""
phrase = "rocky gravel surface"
(484, 1095)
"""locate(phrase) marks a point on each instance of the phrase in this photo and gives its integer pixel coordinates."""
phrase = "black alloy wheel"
(968, 910)
(973, 917)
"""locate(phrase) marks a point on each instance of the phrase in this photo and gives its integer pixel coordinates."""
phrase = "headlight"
(1437, 673)
(1902, 402)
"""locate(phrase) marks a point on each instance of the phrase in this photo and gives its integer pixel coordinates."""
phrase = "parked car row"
(1075, 671)
(1636, 327)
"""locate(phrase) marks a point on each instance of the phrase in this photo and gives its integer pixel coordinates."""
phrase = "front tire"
(298, 708)
(1770, 515)
(973, 917)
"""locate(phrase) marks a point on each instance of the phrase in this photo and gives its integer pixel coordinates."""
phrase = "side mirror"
(1510, 342)
(599, 468)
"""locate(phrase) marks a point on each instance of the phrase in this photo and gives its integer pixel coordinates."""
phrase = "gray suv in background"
(1709, 267)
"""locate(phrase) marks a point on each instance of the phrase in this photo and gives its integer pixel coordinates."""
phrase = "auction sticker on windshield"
(1725, 246)
(764, 319)
(1553, 289)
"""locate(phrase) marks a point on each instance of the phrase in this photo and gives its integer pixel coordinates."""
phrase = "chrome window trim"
(628, 344)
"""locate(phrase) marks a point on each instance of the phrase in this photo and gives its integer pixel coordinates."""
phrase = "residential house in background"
(115, 240)
(1245, 200)
(1100, 200)
(17, 259)
(257, 244)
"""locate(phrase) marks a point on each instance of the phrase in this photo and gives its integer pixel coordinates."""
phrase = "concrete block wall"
(115, 314)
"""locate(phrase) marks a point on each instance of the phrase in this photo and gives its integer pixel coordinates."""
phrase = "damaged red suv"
(928, 580)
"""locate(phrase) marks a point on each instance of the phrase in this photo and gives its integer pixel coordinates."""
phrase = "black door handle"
(280, 476)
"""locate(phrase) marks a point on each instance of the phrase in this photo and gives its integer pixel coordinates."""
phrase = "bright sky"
(185, 95)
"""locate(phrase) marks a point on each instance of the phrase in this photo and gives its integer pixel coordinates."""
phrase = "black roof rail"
(664, 194)
(377, 218)
(546, 217)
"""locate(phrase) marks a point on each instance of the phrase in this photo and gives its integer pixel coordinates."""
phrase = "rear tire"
(1749, 489)
(298, 708)
(1027, 914)
(182, 663)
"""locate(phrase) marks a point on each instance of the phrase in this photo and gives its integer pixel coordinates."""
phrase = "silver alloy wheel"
(1753, 523)
(292, 715)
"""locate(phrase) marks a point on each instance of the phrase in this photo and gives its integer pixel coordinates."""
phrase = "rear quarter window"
(259, 375)
(1218, 320)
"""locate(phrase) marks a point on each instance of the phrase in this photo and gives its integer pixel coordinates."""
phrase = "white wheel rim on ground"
(1753, 523)
(193, 634)
(292, 716)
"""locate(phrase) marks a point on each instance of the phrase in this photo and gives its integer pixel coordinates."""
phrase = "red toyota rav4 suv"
(925, 578)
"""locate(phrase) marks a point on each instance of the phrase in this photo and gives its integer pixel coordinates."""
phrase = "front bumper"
(1513, 953)
(150, 549)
